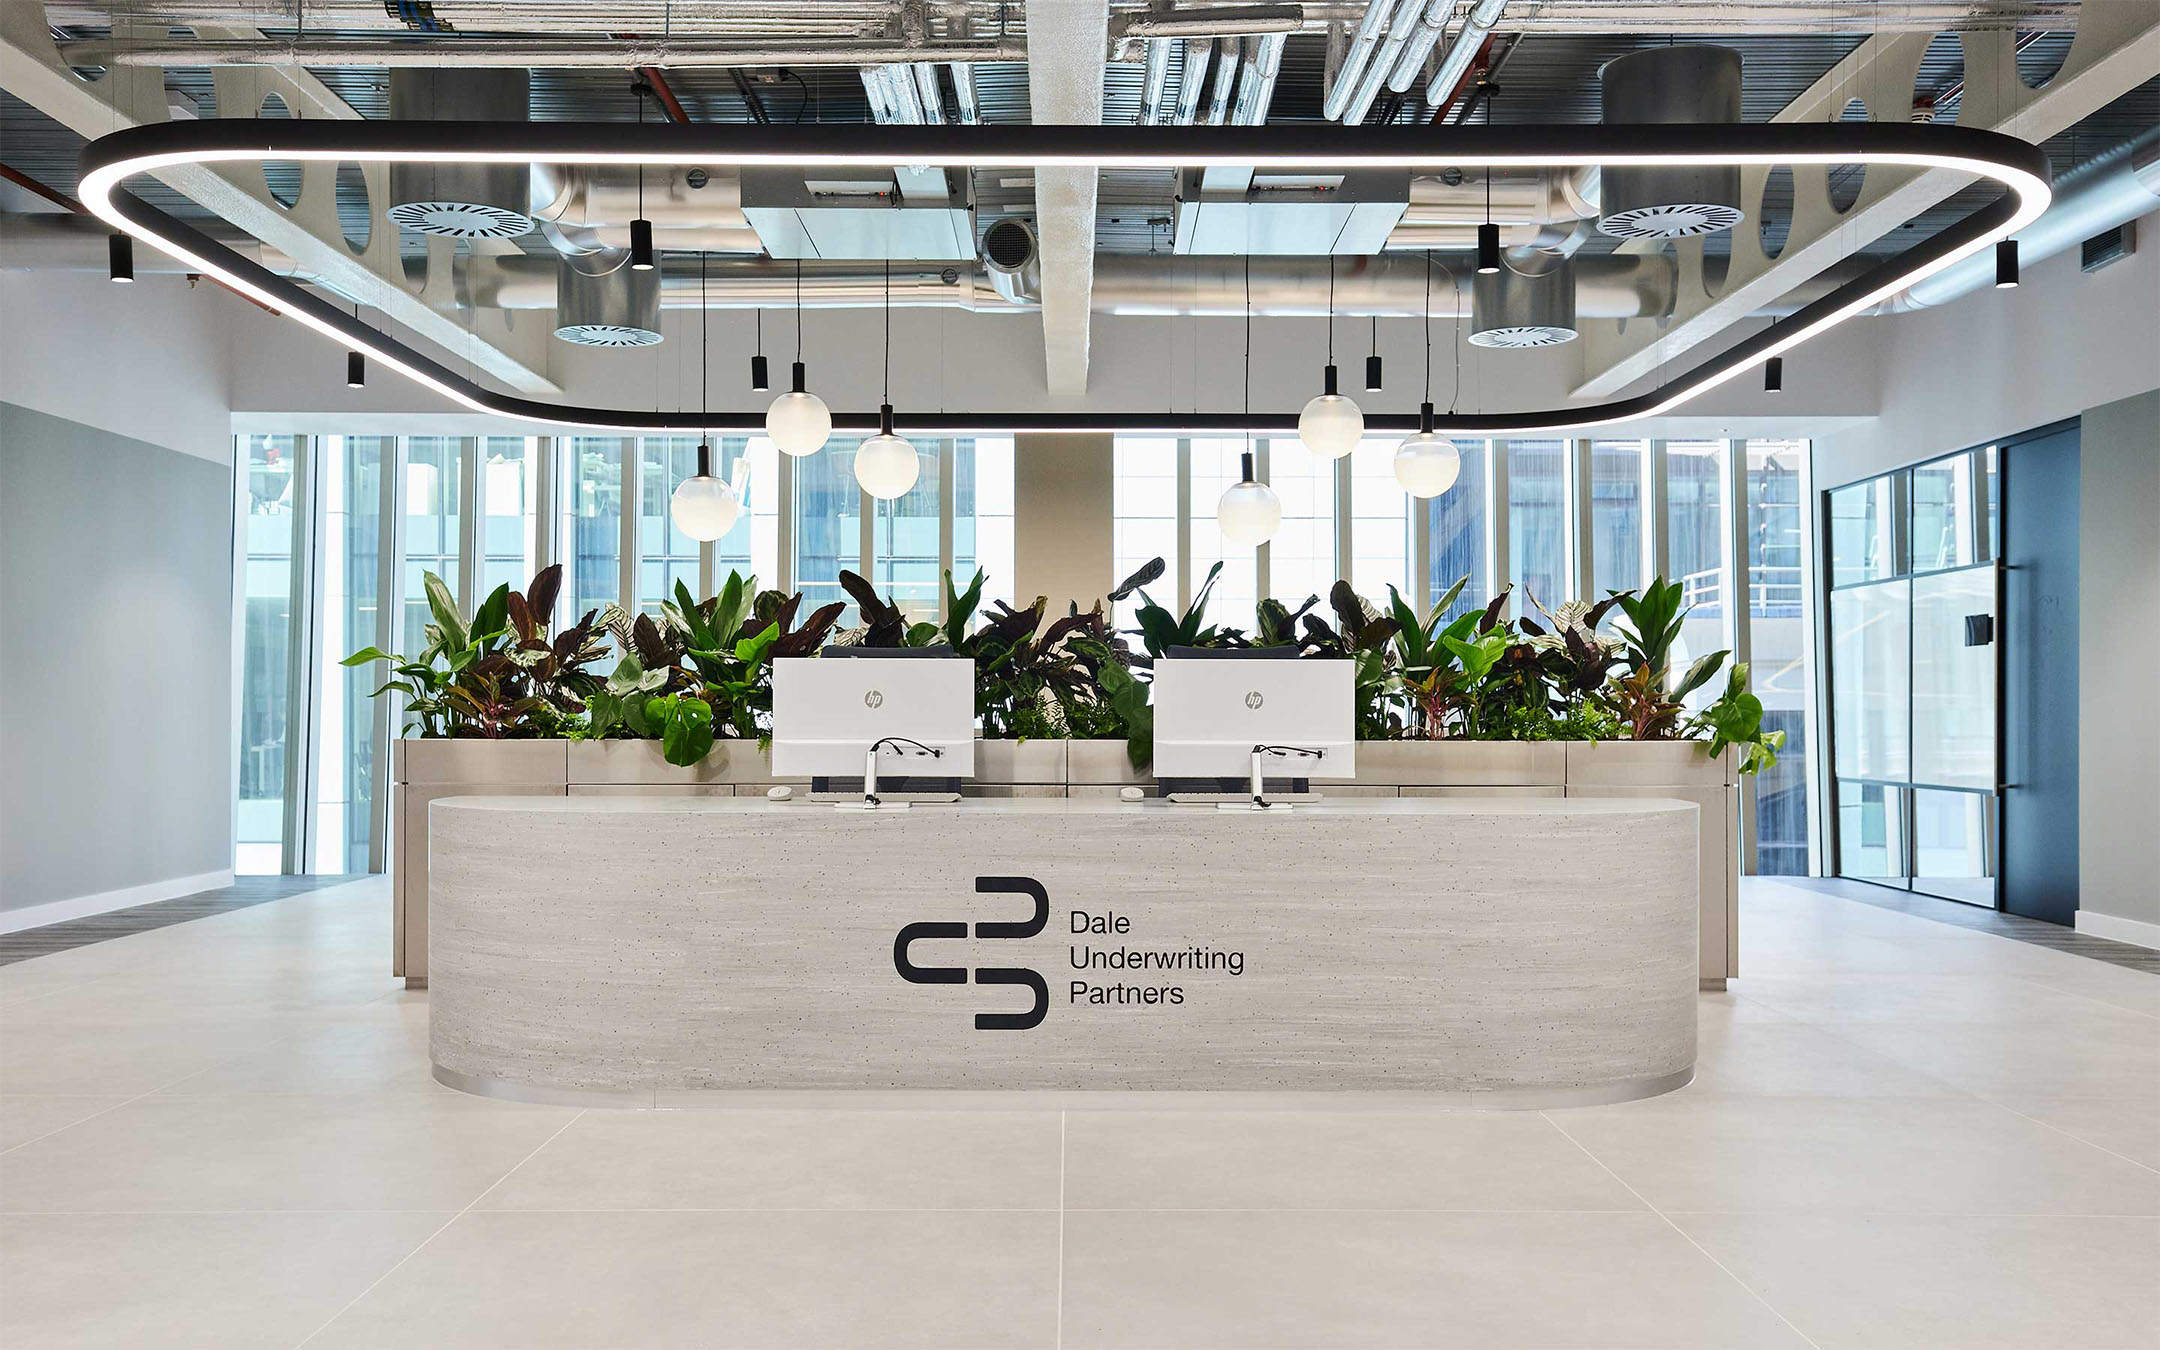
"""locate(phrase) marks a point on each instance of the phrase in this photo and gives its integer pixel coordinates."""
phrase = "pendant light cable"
(798, 311)
(1331, 309)
(705, 344)
(1248, 349)
(888, 332)
(1427, 326)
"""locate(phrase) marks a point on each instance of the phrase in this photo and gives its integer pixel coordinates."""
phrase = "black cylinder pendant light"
(1773, 375)
(120, 257)
(641, 249)
(760, 372)
(1372, 363)
(355, 363)
(2006, 264)
(1488, 234)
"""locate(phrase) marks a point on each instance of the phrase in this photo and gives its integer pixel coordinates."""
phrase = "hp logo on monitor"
(1253, 699)
(874, 699)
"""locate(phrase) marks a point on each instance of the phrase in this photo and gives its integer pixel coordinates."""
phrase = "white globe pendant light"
(886, 466)
(1427, 464)
(1331, 425)
(704, 507)
(1250, 513)
(798, 421)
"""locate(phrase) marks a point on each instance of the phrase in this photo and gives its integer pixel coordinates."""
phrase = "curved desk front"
(648, 950)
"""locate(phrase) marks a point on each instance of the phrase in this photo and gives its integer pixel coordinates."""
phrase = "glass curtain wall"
(433, 534)
(1380, 536)
(352, 537)
(1912, 603)
(269, 497)
(589, 543)
(982, 514)
(509, 522)
(665, 554)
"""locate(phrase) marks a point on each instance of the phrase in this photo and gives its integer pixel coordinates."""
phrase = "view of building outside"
(268, 496)
(1460, 534)
(346, 777)
(1782, 675)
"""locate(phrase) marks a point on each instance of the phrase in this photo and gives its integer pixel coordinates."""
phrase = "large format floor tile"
(1895, 1282)
(779, 1159)
(23, 1119)
(1330, 1160)
(1401, 1279)
(1782, 1154)
(191, 1281)
(390, 1151)
(712, 1281)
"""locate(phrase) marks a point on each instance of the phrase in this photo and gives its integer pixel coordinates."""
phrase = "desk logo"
(1034, 924)
(874, 699)
(1253, 699)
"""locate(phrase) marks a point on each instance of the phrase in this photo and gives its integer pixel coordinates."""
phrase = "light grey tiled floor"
(1903, 1135)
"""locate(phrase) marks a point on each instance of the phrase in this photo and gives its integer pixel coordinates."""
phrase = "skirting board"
(2136, 932)
(104, 902)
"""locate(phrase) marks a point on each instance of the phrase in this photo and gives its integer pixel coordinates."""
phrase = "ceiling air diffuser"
(1691, 85)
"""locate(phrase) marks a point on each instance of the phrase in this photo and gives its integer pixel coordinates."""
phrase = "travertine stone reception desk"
(647, 950)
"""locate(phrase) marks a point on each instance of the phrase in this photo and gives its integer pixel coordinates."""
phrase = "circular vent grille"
(1529, 335)
(460, 220)
(1674, 220)
(607, 335)
(1008, 243)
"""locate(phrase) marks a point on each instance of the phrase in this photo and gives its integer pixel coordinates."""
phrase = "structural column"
(1062, 527)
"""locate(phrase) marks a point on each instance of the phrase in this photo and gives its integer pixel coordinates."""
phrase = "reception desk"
(652, 951)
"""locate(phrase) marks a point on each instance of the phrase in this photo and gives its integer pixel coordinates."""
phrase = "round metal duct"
(1527, 303)
(1013, 260)
(615, 308)
(460, 201)
(1685, 85)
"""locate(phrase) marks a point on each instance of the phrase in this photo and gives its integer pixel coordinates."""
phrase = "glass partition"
(1459, 532)
(1616, 516)
(434, 506)
(346, 777)
(269, 496)
(1537, 523)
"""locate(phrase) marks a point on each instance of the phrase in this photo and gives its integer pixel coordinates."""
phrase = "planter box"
(1036, 763)
(423, 770)
(1649, 763)
(641, 764)
(1102, 764)
(1403, 764)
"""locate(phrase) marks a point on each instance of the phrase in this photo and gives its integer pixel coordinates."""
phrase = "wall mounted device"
(836, 719)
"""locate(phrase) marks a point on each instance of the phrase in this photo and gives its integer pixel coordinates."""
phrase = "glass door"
(1914, 601)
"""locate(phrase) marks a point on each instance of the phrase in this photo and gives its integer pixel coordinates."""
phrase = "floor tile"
(1788, 1058)
(115, 1057)
(780, 1159)
(1330, 1160)
(1767, 1153)
(662, 1280)
(2108, 1054)
(2130, 1128)
(1974, 1283)
(386, 1151)
(1919, 999)
(23, 1119)
(383, 1053)
(189, 1281)
(1317, 1280)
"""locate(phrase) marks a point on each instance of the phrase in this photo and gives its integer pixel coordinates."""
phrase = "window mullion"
(626, 527)
(1496, 516)
(948, 476)
(1345, 544)
(1264, 554)
(1581, 557)
(470, 486)
(389, 608)
(1183, 562)
(784, 523)
(1657, 513)
(305, 629)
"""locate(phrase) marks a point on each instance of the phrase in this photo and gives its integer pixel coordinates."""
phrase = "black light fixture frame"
(2017, 168)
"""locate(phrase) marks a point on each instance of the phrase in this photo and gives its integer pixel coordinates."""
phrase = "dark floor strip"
(1986, 921)
(245, 891)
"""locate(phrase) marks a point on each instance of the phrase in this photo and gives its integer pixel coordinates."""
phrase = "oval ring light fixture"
(2018, 168)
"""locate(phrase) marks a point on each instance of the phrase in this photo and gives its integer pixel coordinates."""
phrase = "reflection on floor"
(1904, 1134)
(1984, 920)
(245, 891)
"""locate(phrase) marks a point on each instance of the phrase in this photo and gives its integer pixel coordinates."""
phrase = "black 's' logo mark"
(1034, 924)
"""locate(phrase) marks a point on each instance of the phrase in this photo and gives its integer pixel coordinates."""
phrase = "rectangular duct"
(914, 215)
(1264, 213)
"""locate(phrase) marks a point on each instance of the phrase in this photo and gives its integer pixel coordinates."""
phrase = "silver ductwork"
(1012, 259)
(1692, 85)
(601, 301)
(1529, 302)
(460, 201)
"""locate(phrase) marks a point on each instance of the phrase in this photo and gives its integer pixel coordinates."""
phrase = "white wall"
(150, 361)
(115, 593)
(2118, 657)
(1998, 362)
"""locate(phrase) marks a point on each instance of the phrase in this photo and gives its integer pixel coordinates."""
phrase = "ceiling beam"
(2117, 49)
(1066, 43)
(307, 231)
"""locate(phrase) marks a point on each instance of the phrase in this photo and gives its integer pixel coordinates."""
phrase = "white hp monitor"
(828, 712)
(1211, 711)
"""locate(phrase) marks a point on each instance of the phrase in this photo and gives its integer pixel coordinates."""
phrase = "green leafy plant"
(500, 676)
(1160, 630)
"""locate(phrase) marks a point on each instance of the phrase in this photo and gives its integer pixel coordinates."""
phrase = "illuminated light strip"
(2021, 170)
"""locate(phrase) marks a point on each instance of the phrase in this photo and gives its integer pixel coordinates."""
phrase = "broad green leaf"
(688, 733)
